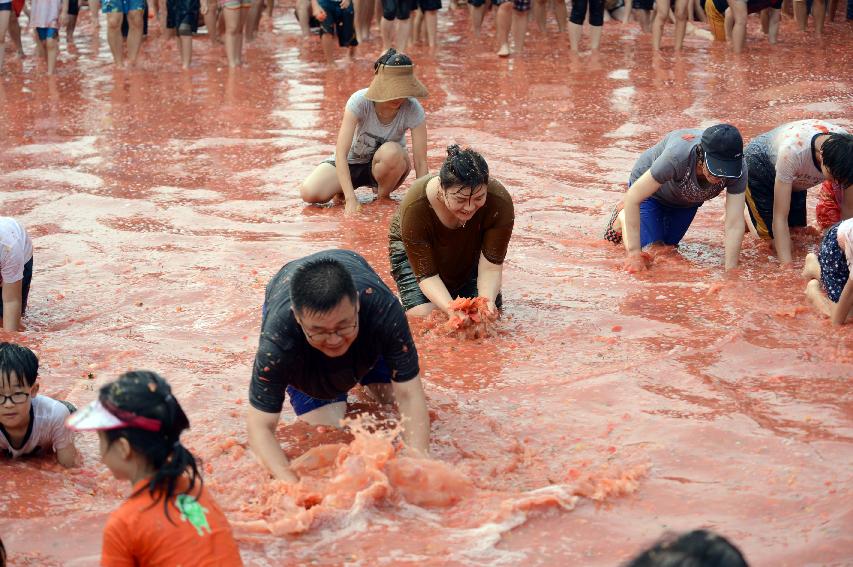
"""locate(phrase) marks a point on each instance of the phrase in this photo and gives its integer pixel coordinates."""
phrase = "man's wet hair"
(318, 286)
(837, 153)
(19, 360)
(392, 58)
(463, 168)
(699, 548)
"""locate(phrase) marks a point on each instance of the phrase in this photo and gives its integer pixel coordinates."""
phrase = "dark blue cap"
(723, 147)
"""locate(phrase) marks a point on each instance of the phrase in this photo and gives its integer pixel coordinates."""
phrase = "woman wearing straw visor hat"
(372, 139)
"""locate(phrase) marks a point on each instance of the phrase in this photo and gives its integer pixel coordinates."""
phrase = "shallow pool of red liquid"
(607, 407)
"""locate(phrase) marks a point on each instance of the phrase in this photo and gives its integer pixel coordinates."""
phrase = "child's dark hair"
(699, 548)
(146, 394)
(2, 554)
(392, 59)
(20, 360)
(837, 153)
(465, 168)
(319, 285)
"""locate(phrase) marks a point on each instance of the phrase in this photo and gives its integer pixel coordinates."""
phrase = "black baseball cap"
(723, 147)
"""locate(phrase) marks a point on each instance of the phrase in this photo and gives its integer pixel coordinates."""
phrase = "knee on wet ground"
(390, 160)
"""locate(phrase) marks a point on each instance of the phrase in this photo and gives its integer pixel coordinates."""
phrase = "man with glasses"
(329, 324)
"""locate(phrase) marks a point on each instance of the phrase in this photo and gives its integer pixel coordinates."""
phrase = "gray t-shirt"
(672, 162)
(371, 133)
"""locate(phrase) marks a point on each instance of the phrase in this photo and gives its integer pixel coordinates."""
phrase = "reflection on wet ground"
(161, 202)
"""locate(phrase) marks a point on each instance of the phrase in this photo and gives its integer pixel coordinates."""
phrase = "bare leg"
(643, 17)
(476, 13)
(801, 14)
(811, 270)
(387, 30)
(322, 185)
(114, 37)
(51, 47)
(661, 16)
(595, 37)
(210, 22)
(819, 13)
(739, 15)
(680, 23)
(403, 29)
(5, 17)
(519, 30)
(253, 21)
(303, 10)
(328, 43)
(390, 167)
(431, 24)
(330, 414)
(233, 35)
(270, 7)
(818, 299)
(504, 22)
(540, 14)
(95, 12)
(69, 28)
(562, 14)
(15, 34)
(362, 18)
(575, 31)
(134, 35)
(185, 44)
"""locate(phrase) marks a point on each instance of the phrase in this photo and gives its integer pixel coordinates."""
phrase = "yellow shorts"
(716, 21)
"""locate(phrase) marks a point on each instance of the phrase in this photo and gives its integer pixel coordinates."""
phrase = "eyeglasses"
(17, 398)
(343, 332)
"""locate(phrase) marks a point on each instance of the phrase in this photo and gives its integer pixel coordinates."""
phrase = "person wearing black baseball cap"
(668, 184)
(783, 164)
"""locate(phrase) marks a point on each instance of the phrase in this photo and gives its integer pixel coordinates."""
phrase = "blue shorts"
(662, 223)
(47, 33)
(122, 6)
(5, 6)
(303, 403)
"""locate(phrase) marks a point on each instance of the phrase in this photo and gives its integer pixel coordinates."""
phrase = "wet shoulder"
(415, 204)
(500, 199)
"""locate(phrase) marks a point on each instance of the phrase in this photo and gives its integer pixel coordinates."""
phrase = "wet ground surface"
(608, 409)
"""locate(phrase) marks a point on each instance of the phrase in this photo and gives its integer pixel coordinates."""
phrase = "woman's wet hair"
(837, 152)
(463, 168)
(318, 286)
(699, 548)
(19, 360)
(392, 58)
(147, 394)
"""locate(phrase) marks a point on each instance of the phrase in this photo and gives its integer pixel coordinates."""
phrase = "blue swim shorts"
(303, 403)
(122, 6)
(47, 33)
(662, 223)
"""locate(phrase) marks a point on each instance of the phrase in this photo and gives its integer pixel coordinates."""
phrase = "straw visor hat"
(393, 82)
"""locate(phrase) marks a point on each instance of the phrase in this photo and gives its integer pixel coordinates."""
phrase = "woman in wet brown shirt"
(450, 235)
